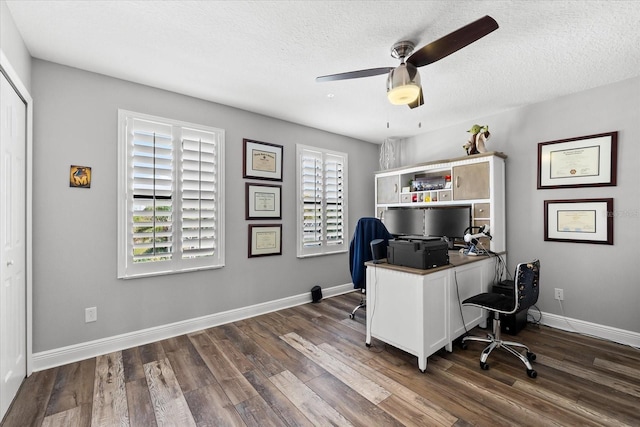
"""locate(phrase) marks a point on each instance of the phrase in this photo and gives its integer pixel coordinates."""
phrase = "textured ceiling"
(263, 56)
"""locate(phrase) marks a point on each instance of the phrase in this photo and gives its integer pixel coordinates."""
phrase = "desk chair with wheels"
(524, 296)
(367, 229)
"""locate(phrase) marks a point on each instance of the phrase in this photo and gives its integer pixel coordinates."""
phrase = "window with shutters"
(170, 215)
(322, 206)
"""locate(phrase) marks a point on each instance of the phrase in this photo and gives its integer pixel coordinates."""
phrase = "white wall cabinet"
(477, 180)
(472, 181)
(388, 189)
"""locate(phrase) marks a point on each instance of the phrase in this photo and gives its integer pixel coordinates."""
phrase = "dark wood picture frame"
(265, 240)
(585, 161)
(263, 201)
(579, 221)
(261, 160)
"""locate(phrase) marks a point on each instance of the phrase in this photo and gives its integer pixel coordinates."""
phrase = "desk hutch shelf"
(477, 181)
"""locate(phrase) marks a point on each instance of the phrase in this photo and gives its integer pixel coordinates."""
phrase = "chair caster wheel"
(463, 345)
(367, 344)
(531, 356)
(351, 316)
(484, 366)
(532, 373)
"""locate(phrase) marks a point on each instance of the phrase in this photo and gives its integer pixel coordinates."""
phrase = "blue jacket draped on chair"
(367, 229)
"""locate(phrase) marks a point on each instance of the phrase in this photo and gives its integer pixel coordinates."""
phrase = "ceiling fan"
(403, 82)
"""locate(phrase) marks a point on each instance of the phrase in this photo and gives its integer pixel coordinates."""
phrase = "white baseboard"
(620, 336)
(73, 353)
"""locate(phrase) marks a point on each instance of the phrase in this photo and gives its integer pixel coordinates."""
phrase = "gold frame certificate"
(263, 161)
(583, 161)
(576, 221)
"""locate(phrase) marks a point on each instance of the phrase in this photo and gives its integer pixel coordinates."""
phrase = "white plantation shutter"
(151, 216)
(312, 192)
(322, 209)
(334, 199)
(199, 195)
(170, 197)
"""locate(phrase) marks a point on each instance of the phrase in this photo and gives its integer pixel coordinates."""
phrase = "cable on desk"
(464, 325)
(500, 268)
(371, 347)
(533, 319)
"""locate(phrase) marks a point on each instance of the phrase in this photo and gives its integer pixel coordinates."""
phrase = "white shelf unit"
(477, 180)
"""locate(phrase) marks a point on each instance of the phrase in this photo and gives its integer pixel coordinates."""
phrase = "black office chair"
(524, 296)
(360, 251)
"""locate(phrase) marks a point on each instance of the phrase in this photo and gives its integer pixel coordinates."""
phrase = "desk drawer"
(482, 210)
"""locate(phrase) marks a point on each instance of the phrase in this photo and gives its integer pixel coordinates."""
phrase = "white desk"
(418, 311)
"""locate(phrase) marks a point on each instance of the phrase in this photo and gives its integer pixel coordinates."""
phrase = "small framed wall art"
(265, 240)
(586, 161)
(579, 221)
(80, 176)
(262, 160)
(262, 201)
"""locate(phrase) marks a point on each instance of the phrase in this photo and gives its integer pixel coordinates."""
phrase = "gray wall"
(12, 45)
(600, 282)
(75, 122)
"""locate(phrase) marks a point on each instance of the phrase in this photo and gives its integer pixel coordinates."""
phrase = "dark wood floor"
(308, 365)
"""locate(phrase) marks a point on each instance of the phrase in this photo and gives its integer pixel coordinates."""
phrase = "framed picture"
(265, 240)
(262, 201)
(80, 176)
(262, 160)
(586, 161)
(579, 221)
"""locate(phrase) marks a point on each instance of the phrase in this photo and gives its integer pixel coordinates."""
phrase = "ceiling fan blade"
(453, 42)
(418, 102)
(355, 74)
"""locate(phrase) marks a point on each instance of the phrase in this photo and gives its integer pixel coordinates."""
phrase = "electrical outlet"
(90, 314)
(559, 294)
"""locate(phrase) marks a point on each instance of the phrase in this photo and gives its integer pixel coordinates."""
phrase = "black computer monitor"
(404, 221)
(450, 222)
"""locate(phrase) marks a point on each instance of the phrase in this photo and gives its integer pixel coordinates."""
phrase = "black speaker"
(316, 294)
(378, 250)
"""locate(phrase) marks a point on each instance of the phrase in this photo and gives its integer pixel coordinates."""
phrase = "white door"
(13, 328)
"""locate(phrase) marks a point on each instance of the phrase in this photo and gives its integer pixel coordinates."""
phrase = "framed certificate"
(262, 201)
(586, 161)
(579, 221)
(265, 240)
(261, 160)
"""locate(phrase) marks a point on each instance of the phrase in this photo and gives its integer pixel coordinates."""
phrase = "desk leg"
(422, 363)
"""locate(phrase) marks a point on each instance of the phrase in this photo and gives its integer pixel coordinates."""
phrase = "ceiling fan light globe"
(403, 95)
(402, 89)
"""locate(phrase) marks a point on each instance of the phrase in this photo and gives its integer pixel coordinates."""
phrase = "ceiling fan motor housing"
(402, 49)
